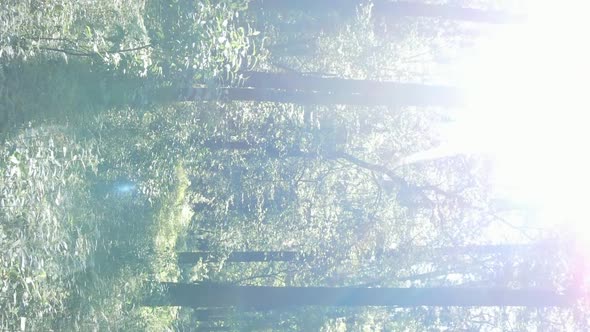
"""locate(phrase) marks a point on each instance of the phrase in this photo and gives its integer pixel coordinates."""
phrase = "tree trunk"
(378, 92)
(392, 10)
(211, 314)
(211, 328)
(211, 295)
(303, 89)
(247, 256)
(403, 95)
(311, 82)
(290, 256)
(313, 6)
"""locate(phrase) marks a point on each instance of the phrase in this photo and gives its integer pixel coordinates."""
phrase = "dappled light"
(280, 165)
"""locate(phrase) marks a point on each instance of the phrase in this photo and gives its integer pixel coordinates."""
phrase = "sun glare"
(528, 111)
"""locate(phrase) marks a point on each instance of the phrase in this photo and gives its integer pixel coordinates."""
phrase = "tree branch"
(366, 165)
(89, 54)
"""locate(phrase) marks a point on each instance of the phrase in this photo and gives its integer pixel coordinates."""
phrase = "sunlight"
(528, 113)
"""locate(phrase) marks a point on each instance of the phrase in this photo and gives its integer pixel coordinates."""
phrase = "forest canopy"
(275, 165)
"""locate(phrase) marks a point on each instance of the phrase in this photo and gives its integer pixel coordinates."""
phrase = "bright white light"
(528, 88)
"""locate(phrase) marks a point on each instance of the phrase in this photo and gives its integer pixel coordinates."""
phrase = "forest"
(281, 165)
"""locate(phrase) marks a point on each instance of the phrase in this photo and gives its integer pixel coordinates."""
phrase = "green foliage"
(98, 30)
(52, 91)
(44, 222)
(181, 39)
(72, 257)
(78, 254)
(201, 40)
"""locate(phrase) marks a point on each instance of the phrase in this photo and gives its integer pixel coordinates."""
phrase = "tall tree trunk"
(392, 10)
(303, 89)
(403, 95)
(378, 92)
(211, 314)
(313, 82)
(307, 5)
(246, 256)
(209, 295)
(211, 328)
(290, 256)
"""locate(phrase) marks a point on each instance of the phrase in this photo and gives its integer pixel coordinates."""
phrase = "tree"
(249, 256)
(354, 92)
(307, 5)
(313, 82)
(216, 295)
(392, 10)
(291, 256)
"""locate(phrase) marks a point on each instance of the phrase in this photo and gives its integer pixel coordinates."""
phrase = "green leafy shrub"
(43, 222)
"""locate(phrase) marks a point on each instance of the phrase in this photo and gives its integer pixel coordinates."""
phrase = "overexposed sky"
(528, 111)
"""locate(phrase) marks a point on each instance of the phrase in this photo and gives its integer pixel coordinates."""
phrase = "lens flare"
(527, 111)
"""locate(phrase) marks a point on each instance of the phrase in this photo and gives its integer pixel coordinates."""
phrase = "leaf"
(14, 160)
(15, 171)
(88, 32)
